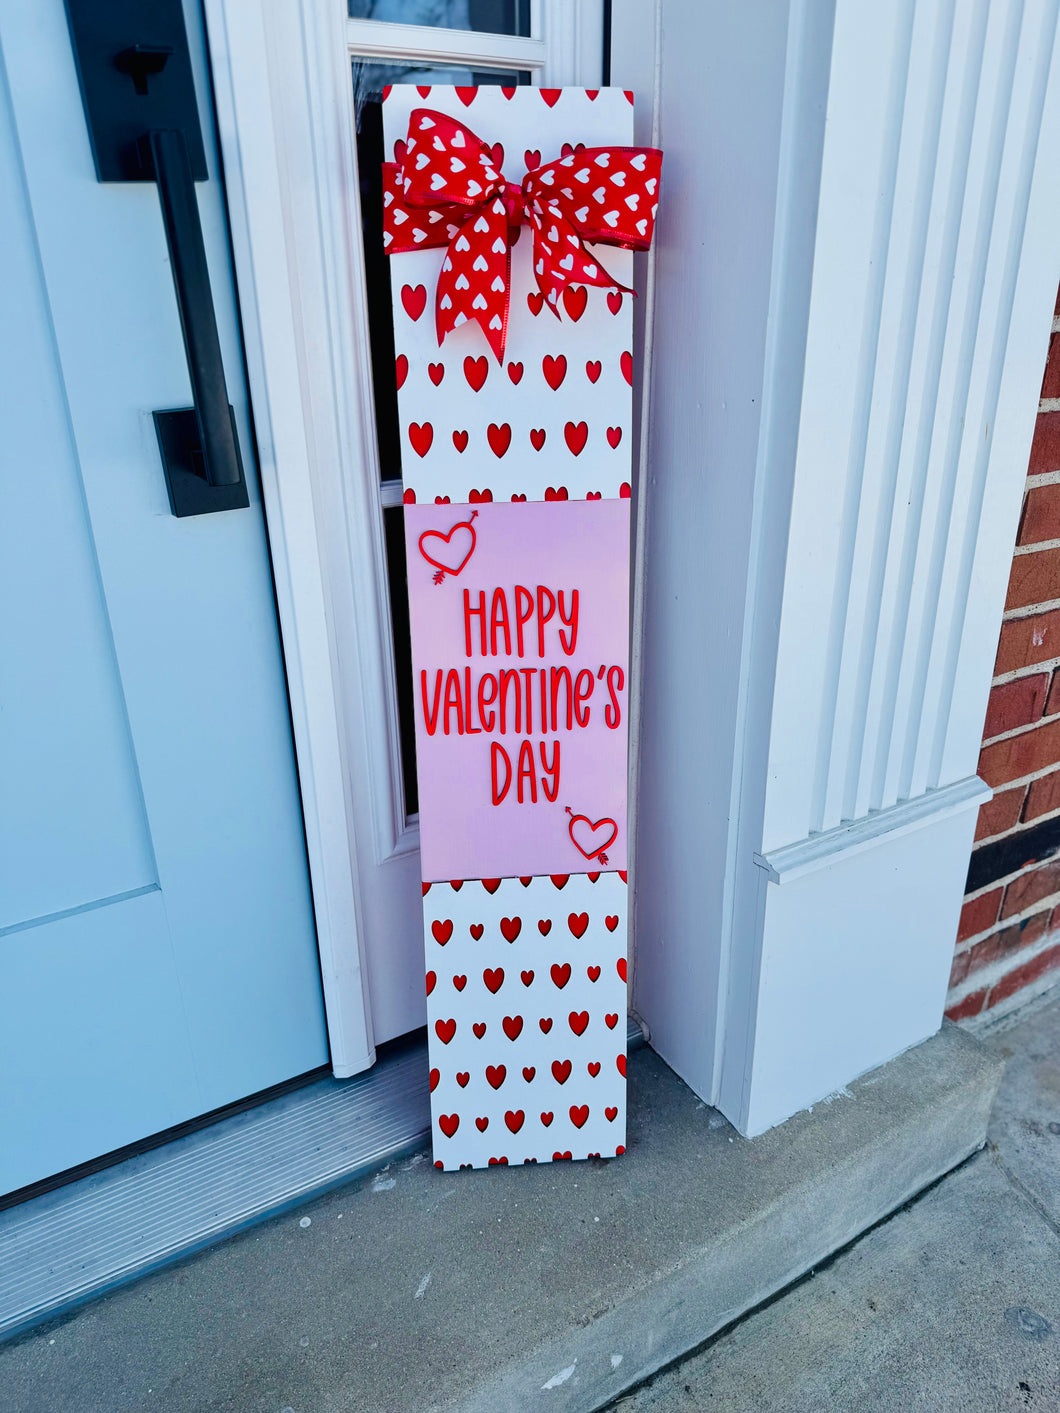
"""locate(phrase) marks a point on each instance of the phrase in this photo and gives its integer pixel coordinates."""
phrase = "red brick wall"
(1008, 942)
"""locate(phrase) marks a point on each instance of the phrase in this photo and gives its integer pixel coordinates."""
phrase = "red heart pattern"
(594, 329)
(575, 1094)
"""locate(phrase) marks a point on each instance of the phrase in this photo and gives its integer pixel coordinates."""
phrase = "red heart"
(424, 90)
(436, 372)
(414, 298)
(578, 1114)
(546, 1024)
(509, 93)
(575, 435)
(614, 300)
(431, 979)
(592, 370)
(574, 298)
(449, 1123)
(532, 158)
(512, 1026)
(611, 1113)
(401, 369)
(442, 931)
(578, 922)
(626, 364)
(467, 96)
(460, 982)
(555, 492)
(460, 442)
(421, 437)
(476, 496)
(514, 1120)
(456, 884)
(446, 553)
(462, 1079)
(522, 497)
(442, 500)
(476, 371)
(476, 929)
(592, 877)
(614, 436)
(426, 888)
(559, 879)
(537, 437)
(560, 974)
(593, 1067)
(550, 95)
(561, 1071)
(409, 496)
(578, 1020)
(501, 1162)
(499, 438)
(625, 491)
(620, 967)
(588, 841)
(620, 1061)
(511, 927)
(592, 495)
(611, 1021)
(558, 1157)
(445, 1030)
(591, 93)
(435, 1077)
(554, 369)
(491, 884)
(546, 1118)
(526, 977)
(480, 1029)
(482, 1125)
(515, 372)
(535, 302)
(528, 1072)
(497, 153)
(611, 922)
(495, 1075)
(544, 926)
(593, 973)
(494, 979)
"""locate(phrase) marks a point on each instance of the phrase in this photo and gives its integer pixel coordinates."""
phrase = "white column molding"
(836, 472)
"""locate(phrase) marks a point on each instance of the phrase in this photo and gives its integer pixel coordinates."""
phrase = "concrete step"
(556, 1286)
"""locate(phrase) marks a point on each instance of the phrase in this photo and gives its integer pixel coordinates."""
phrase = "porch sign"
(513, 327)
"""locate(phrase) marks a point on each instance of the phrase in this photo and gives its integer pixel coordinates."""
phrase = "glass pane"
(369, 79)
(485, 16)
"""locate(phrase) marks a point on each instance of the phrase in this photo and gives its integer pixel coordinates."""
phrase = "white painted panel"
(718, 122)
(855, 964)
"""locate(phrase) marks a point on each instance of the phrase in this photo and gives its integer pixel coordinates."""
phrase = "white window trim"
(284, 104)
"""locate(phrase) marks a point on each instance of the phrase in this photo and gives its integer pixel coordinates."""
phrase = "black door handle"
(139, 99)
(191, 279)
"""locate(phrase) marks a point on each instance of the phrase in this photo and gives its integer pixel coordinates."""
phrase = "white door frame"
(283, 92)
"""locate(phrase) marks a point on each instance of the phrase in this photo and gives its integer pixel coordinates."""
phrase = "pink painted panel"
(520, 675)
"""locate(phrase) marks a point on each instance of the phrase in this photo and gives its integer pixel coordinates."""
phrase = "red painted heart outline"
(441, 567)
(596, 852)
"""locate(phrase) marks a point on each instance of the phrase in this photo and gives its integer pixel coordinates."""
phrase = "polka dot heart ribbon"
(447, 188)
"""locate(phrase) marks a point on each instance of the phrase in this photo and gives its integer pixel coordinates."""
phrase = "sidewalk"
(952, 1304)
(403, 1292)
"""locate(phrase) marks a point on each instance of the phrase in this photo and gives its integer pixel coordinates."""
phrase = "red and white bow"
(446, 188)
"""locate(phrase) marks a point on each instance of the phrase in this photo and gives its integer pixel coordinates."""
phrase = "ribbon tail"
(475, 278)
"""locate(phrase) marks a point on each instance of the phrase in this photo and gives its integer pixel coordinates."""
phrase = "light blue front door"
(157, 952)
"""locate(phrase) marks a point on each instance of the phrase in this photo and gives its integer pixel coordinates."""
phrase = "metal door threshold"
(67, 1246)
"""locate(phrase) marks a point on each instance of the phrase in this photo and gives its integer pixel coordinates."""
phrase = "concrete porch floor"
(567, 1287)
